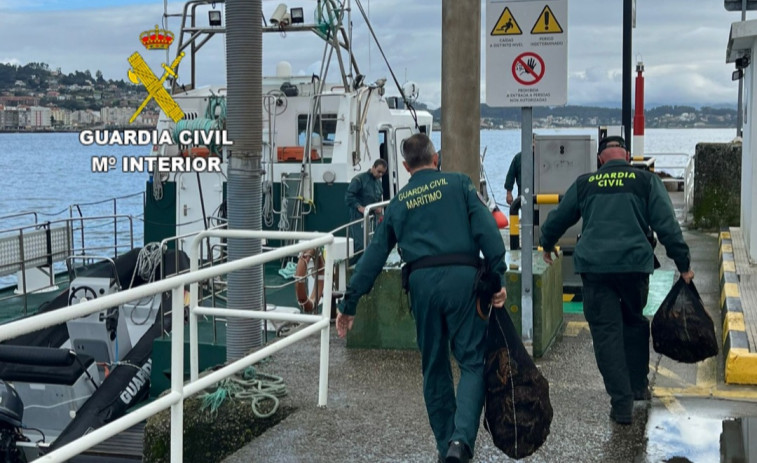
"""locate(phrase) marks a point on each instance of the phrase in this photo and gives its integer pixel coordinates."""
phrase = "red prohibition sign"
(534, 71)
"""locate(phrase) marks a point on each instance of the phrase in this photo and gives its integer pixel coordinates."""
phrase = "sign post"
(526, 66)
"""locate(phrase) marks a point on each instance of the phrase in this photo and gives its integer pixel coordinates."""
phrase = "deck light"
(737, 74)
(214, 17)
(298, 15)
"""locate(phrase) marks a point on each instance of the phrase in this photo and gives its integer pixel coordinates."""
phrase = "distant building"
(61, 116)
(84, 118)
(116, 116)
(19, 100)
(9, 118)
(39, 117)
(148, 118)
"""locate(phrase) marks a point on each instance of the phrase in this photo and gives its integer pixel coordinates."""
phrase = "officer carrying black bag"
(517, 412)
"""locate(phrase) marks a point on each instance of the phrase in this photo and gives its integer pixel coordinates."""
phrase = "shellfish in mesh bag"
(682, 329)
(518, 412)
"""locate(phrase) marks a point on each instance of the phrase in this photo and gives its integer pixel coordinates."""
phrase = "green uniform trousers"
(444, 306)
(613, 306)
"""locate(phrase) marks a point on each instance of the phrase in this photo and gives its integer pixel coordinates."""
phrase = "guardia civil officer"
(364, 189)
(618, 204)
(440, 225)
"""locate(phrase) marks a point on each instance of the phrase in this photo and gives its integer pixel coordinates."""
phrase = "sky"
(681, 42)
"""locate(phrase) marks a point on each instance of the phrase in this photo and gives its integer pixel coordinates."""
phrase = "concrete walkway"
(376, 413)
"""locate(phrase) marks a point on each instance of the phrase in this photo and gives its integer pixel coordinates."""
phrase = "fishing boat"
(319, 132)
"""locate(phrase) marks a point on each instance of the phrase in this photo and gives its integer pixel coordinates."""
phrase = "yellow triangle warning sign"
(506, 24)
(547, 23)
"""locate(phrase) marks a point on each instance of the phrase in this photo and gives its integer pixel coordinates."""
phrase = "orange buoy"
(309, 303)
(500, 218)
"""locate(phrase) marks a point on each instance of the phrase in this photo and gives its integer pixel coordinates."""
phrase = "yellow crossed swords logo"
(142, 73)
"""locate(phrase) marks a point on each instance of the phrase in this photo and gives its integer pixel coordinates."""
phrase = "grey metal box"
(558, 161)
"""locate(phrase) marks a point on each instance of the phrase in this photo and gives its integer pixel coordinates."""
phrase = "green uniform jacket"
(435, 213)
(618, 204)
(364, 189)
(513, 174)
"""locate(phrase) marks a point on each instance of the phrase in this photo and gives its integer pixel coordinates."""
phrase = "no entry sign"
(526, 52)
(528, 68)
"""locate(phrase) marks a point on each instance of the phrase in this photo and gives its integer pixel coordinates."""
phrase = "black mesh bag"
(518, 412)
(682, 329)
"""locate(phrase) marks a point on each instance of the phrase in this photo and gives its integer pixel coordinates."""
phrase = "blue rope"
(200, 124)
(211, 121)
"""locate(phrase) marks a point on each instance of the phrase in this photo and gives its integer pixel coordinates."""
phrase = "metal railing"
(666, 162)
(368, 234)
(688, 188)
(179, 390)
(78, 208)
(53, 256)
(22, 214)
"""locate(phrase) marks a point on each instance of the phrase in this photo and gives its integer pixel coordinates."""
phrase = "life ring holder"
(308, 303)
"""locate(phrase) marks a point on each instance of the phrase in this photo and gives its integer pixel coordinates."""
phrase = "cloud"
(681, 43)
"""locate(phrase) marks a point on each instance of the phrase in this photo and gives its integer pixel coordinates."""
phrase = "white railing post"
(177, 373)
(194, 340)
(323, 377)
(366, 215)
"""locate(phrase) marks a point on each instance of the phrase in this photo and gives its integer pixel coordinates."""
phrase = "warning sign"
(547, 23)
(506, 25)
(528, 68)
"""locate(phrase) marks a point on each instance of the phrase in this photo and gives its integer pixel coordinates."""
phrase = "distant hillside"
(82, 90)
(588, 116)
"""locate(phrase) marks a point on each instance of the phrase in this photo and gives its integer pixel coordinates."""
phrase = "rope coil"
(259, 388)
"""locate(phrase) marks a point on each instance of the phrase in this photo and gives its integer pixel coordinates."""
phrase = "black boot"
(458, 453)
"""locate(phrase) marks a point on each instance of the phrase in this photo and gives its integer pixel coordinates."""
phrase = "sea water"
(498, 147)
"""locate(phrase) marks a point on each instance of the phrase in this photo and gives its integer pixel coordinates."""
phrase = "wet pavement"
(375, 408)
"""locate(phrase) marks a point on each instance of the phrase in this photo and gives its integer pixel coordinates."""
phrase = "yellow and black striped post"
(544, 198)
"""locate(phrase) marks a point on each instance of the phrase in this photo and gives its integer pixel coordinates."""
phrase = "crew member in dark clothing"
(364, 189)
(618, 204)
(440, 225)
(512, 178)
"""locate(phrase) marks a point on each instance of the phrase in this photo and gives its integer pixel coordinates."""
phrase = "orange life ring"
(309, 303)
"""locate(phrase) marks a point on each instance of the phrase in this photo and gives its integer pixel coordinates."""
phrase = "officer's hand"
(688, 276)
(509, 198)
(343, 324)
(548, 256)
(498, 300)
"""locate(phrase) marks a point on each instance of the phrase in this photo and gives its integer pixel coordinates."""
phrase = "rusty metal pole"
(461, 87)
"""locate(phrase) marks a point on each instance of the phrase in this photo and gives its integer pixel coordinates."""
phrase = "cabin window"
(324, 125)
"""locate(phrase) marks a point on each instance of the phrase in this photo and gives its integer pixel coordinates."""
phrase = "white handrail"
(179, 390)
(688, 188)
(366, 215)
